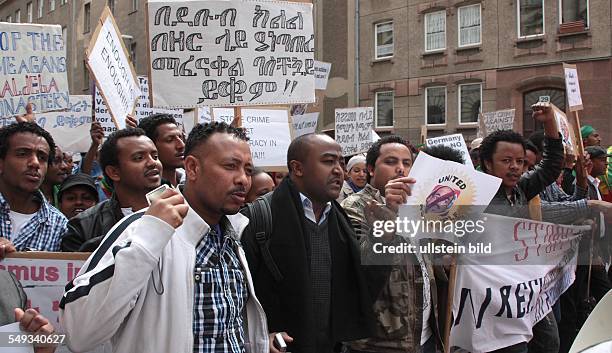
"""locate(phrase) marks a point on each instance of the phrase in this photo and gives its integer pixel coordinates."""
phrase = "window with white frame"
(41, 4)
(64, 35)
(18, 16)
(470, 98)
(530, 17)
(134, 5)
(383, 40)
(29, 11)
(435, 31)
(469, 25)
(435, 105)
(384, 109)
(574, 10)
(51, 5)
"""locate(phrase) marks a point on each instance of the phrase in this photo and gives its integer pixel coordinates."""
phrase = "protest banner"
(69, 129)
(269, 135)
(304, 124)
(496, 305)
(142, 108)
(230, 53)
(43, 276)
(353, 129)
(498, 120)
(109, 64)
(322, 70)
(572, 88)
(455, 141)
(33, 70)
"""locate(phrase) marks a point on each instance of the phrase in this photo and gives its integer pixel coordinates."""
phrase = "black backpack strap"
(261, 225)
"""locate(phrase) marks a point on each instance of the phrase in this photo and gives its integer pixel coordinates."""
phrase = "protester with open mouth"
(130, 163)
(27, 220)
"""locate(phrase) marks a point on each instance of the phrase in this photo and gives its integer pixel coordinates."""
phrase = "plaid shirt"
(41, 233)
(221, 294)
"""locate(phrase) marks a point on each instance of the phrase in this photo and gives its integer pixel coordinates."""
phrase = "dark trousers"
(545, 336)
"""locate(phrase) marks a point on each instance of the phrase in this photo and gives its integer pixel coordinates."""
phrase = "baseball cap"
(76, 180)
(597, 152)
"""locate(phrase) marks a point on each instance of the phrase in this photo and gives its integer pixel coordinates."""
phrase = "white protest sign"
(32, 69)
(455, 141)
(223, 114)
(142, 108)
(572, 87)
(499, 120)
(203, 115)
(354, 128)
(322, 70)
(496, 305)
(269, 136)
(44, 280)
(108, 61)
(375, 136)
(230, 53)
(304, 124)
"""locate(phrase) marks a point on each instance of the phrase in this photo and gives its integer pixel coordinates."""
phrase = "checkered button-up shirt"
(42, 233)
(221, 293)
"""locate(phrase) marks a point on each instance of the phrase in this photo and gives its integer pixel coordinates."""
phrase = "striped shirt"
(43, 232)
(220, 293)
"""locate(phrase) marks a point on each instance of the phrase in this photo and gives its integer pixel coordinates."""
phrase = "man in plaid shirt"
(27, 220)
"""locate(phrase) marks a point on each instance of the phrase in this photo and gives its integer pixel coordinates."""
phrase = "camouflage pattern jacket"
(398, 307)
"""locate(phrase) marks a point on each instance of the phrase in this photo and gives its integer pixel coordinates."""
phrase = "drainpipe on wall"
(356, 53)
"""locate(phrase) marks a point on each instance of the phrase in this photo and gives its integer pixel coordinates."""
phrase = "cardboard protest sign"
(304, 124)
(498, 120)
(572, 87)
(204, 115)
(43, 277)
(322, 70)
(142, 108)
(69, 129)
(269, 136)
(33, 69)
(109, 63)
(354, 128)
(455, 141)
(230, 53)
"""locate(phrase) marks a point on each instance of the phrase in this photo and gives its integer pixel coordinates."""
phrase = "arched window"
(557, 97)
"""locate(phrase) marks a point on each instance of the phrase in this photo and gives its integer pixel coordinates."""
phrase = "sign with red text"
(32, 69)
(43, 277)
(109, 63)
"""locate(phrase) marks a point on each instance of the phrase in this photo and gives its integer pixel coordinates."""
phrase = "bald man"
(311, 257)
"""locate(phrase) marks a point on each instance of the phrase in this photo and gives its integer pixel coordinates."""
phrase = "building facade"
(441, 62)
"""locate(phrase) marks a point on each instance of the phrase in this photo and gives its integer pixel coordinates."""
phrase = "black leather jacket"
(87, 229)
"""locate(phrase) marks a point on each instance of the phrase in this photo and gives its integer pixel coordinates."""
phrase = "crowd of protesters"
(230, 255)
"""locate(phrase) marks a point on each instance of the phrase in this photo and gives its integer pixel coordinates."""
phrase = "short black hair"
(537, 138)
(298, 148)
(489, 144)
(529, 145)
(201, 132)
(151, 122)
(109, 154)
(31, 127)
(445, 153)
(374, 150)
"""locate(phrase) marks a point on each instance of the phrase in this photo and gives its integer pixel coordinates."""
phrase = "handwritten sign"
(230, 53)
(223, 114)
(572, 87)
(108, 61)
(32, 69)
(142, 108)
(455, 141)
(269, 136)
(354, 128)
(304, 124)
(499, 120)
(322, 70)
(43, 279)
